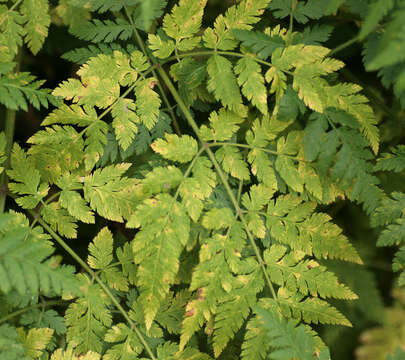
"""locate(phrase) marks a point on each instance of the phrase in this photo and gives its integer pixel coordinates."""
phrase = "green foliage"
(25, 262)
(210, 162)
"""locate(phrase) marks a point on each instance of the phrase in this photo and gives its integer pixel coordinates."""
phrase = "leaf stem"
(104, 287)
(9, 132)
(225, 53)
(291, 27)
(220, 173)
(254, 147)
(344, 45)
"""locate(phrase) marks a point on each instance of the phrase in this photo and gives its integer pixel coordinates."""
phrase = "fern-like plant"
(205, 157)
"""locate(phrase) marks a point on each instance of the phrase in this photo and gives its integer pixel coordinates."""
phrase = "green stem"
(104, 287)
(344, 45)
(28, 308)
(9, 132)
(225, 53)
(254, 147)
(153, 64)
(220, 173)
(291, 27)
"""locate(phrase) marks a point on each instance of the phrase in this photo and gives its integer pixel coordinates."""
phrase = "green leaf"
(11, 29)
(222, 82)
(59, 220)
(304, 276)
(194, 190)
(110, 194)
(124, 122)
(10, 346)
(310, 309)
(287, 339)
(38, 21)
(164, 231)
(17, 90)
(35, 341)
(185, 19)
(176, 148)
(261, 44)
(161, 49)
(88, 317)
(150, 10)
(222, 125)
(103, 31)
(251, 80)
(293, 222)
(72, 200)
(25, 262)
(126, 344)
(147, 102)
(27, 180)
(376, 12)
(232, 162)
(394, 161)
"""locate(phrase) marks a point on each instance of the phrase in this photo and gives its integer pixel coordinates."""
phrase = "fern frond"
(101, 256)
(260, 43)
(35, 340)
(27, 180)
(176, 148)
(251, 80)
(103, 31)
(101, 6)
(69, 354)
(189, 74)
(394, 161)
(109, 193)
(305, 276)
(232, 161)
(222, 125)
(147, 11)
(126, 344)
(19, 90)
(162, 49)
(375, 14)
(88, 318)
(82, 55)
(315, 35)
(197, 188)
(59, 220)
(241, 16)
(124, 122)
(184, 21)
(222, 82)
(286, 338)
(72, 201)
(12, 31)
(147, 102)
(164, 231)
(37, 19)
(293, 222)
(304, 11)
(11, 348)
(44, 319)
(25, 262)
